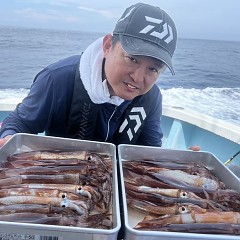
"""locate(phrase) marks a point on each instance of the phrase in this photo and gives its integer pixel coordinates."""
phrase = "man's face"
(128, 76)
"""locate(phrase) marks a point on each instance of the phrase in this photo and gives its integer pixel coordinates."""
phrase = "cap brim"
(136, 46)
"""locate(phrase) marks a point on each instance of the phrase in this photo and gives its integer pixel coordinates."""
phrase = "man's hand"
(194, 148)
(4, 140)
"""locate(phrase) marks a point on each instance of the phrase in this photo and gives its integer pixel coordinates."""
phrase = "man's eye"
(154, 70)
(133, 59)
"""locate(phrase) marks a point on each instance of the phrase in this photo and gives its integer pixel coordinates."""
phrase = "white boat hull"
(183, 128)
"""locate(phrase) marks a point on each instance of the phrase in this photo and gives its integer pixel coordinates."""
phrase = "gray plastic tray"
(27, 142)
(131, 217)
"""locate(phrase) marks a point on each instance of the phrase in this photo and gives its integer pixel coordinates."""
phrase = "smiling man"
(108, 93)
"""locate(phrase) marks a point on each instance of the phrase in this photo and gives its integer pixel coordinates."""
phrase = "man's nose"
(138, 75)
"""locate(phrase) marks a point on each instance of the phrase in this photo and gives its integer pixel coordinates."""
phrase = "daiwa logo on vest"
(82, 130)
(136, 117)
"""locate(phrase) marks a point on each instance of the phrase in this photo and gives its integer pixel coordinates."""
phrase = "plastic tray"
(27, 142)
(131, 217)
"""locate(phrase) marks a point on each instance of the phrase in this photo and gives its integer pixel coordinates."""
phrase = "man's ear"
(107, 44)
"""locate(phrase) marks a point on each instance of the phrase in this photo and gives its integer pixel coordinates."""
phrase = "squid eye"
(184, 194)
(63, 205)
(89, 157)
(63, 196)
(182, 209)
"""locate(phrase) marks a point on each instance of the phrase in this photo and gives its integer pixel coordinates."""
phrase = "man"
(108, 93)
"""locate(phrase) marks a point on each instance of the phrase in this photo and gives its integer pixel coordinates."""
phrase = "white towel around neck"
(91, 74)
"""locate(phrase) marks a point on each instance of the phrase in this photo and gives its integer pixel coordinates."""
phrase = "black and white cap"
(148, 31)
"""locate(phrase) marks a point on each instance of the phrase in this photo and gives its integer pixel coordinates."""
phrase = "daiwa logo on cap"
(147, 31)
(166, 29)
(143, 19)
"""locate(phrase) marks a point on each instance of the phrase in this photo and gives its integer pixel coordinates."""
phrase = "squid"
(39, 193)
(36, 208)
(168, 192)
(171, 196)
(138, 179)
(205, 228)
(102, 160)
(22, 163)
(22, 179)
(189, 218)
(15, 208)
(81, 207)
(99, 220)
(47, 170)
(180, 179)
(49, 154)
(153, 208)
(192, 180)
(71, 188)
(29, 217)
(144, 166)
(60, 155)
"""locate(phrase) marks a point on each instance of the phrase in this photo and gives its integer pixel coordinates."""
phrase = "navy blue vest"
(83, 116)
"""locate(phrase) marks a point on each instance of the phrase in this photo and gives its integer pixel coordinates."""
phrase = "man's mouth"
(131, 86)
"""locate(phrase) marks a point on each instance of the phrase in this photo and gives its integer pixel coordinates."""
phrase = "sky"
(194, 19)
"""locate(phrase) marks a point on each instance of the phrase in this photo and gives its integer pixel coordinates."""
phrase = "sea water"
(207, 72)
